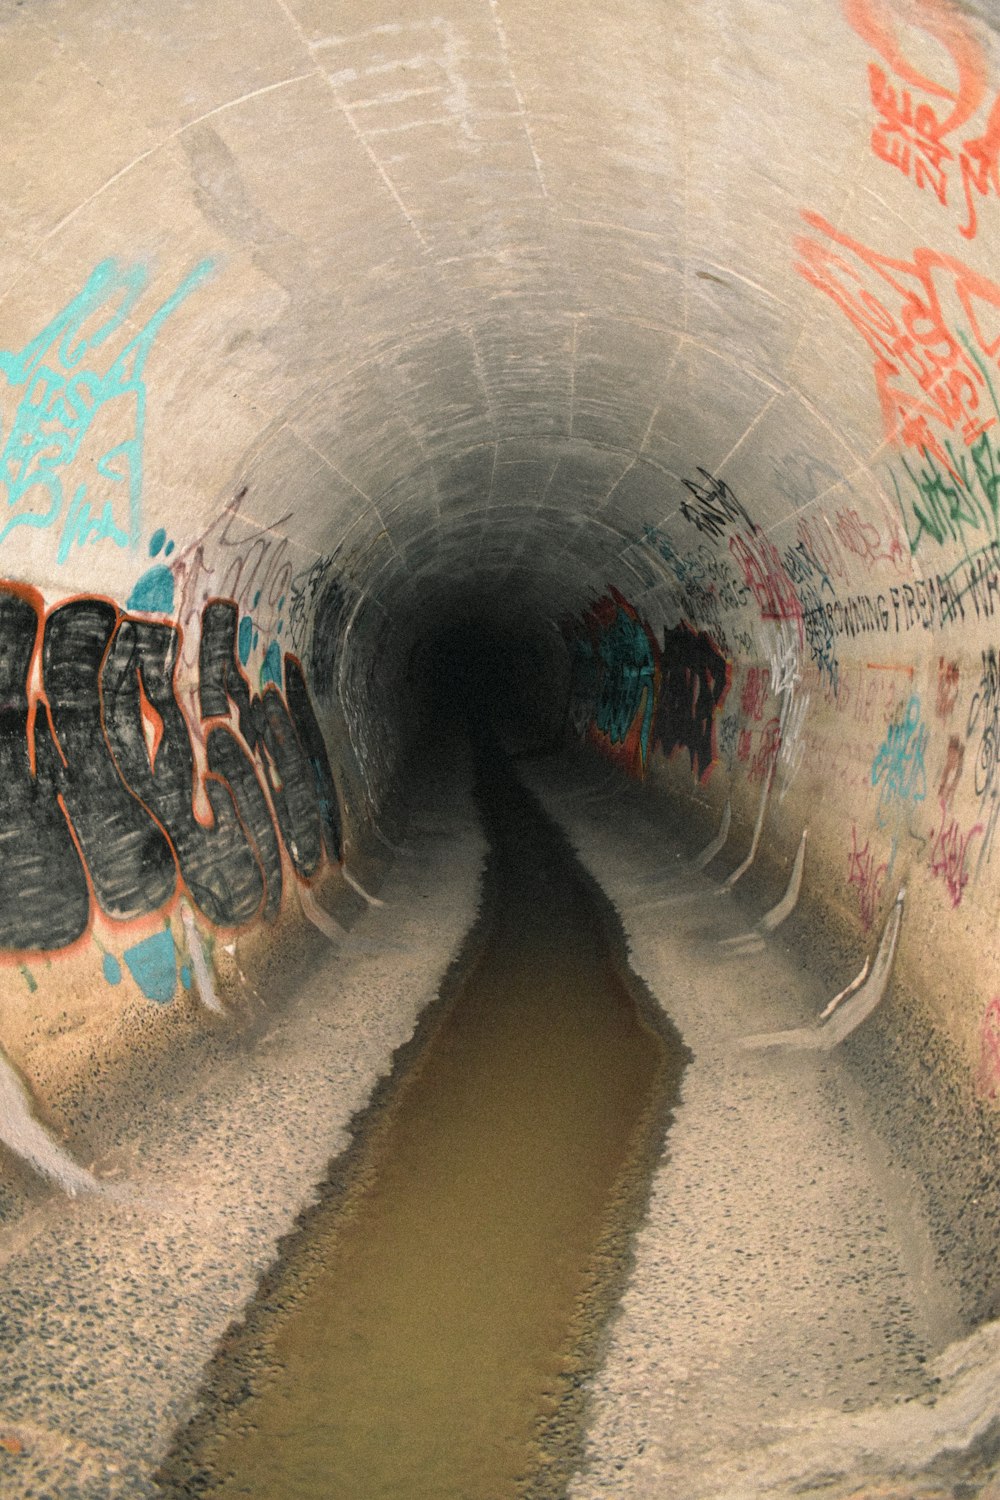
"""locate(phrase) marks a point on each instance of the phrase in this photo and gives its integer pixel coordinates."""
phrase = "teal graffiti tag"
(270, 667)
(153, 965)
(898, 769)
(75, 404)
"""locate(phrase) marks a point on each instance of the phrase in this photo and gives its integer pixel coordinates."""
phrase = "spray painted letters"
(108, 803)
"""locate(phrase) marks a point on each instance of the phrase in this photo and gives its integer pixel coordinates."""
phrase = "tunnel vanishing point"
(628, 374)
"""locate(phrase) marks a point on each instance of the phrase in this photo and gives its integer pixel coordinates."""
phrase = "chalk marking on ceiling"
(521, 105)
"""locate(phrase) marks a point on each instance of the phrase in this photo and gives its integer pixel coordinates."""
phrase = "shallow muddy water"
(429, 1328)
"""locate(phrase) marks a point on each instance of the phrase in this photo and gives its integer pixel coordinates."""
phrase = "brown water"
(428, 1332)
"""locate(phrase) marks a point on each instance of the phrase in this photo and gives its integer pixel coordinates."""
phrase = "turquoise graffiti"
(153, 965)
(73, 416)
(898, 769)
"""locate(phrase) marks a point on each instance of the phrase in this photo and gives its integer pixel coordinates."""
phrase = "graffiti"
(956, 502)
(988, 1071)
(947, 688)
(930, 356)
(984, 720)
(765, 576)
(253, 567)
(813, 557)
(153, 965)
(616, 679)
(792, 748)
(948, 854)
(820, 636)
(319, 609)
(866, 878)
(766, 757)
(106, 806)
(728, 735)
(744, 745)
(864, 540)
(713, 507)
(952, 772)
(755, 691)
(695, 683)
(898, 769)
(75, 423)
(916, 114)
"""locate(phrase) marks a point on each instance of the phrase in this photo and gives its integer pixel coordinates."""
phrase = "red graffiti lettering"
(948, 855)
(754, 694)
(866, 877)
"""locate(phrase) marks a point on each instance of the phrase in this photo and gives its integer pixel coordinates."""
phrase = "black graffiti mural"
(106, 803)
(695, 679)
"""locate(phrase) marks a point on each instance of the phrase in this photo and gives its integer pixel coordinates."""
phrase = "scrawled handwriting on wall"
(983, 734)
(74, 414)
(865, 875)
(106, 806)
(949, 853)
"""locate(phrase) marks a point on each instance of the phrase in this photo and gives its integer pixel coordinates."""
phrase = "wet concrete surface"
(787, 1328)
(111, 1305)
(782, 1330)
(428, 1332)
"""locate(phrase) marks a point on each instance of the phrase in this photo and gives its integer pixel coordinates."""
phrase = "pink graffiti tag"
(948, 854)
(766, 576)
(763, 763)
(866, 877)
(865, 540)
(947, 687)
(754, 694)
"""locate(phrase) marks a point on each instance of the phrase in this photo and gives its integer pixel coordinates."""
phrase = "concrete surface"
(783, 1327)
(111, 1303)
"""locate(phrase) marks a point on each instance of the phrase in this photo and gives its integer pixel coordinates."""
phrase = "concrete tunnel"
(646, 354)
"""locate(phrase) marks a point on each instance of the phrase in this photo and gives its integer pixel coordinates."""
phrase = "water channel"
(429, 1329)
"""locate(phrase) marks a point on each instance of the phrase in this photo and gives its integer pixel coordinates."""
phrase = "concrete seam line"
(206, 989)
(321, 919)
(717, 844)
(357, 886)
(29, 1140)
(741, 870)
(828, 1034)
(773, 919)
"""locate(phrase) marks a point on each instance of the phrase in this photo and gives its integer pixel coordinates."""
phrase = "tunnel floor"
(782, 1327)
(429, 1331)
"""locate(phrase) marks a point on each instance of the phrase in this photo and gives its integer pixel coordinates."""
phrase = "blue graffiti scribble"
(153, 591)
(270, 670)
(59, 395)
(245, 639)
(898, 769)
(112, 969)
(627, 682)
(153, 965)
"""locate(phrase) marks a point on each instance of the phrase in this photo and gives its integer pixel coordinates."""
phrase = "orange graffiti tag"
(915, 112)
(933, 325)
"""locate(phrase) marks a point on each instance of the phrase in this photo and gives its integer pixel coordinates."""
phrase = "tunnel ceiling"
(481, 289)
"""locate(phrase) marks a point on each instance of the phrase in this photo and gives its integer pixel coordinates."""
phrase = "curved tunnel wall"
(674, 329)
